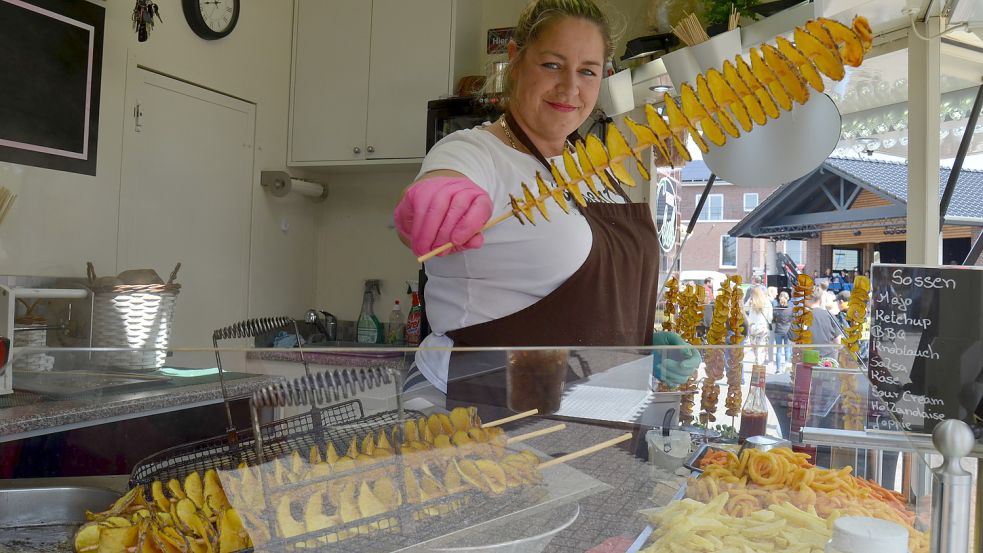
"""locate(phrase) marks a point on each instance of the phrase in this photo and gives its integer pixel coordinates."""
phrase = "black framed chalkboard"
(926, 345)
(50, 73)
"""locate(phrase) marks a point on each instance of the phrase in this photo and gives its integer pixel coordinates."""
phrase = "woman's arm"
(440, 173)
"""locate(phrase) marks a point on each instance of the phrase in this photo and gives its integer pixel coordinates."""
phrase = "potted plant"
(717, 13)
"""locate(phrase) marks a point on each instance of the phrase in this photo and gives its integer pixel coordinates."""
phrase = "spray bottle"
(369, 329)
(415, 315)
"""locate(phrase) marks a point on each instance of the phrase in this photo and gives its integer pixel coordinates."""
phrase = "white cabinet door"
(185, 196)
(411, 48)
(330, 80)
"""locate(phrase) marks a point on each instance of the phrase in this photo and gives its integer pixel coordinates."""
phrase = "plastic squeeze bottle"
(754, 412)
(395, 328)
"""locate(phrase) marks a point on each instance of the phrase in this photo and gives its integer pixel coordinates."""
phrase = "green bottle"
(369, 329)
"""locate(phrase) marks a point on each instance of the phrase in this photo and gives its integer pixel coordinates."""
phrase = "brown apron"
(609, 301)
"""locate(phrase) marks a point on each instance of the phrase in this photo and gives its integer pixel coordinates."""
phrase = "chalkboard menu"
(926, 345)
(50, 72)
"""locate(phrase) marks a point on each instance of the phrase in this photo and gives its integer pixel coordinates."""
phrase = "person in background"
(782, 325)
(531, 285)
(824, 280)
(759, 314)
(829, 298)
(755, 283)
(842, 299)
(773, 298)
(708, 289)
(836, 282)
(823, 328)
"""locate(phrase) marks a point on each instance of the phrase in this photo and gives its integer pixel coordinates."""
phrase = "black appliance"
(445, 116)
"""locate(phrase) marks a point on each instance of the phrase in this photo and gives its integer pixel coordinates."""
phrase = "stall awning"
(853, 193)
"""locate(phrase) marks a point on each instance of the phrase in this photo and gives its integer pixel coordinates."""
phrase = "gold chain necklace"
(508, 134)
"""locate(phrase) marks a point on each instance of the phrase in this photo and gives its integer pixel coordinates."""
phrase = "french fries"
(691, 526)
(783, 479)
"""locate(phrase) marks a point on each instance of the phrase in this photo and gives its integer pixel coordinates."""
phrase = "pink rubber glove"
(438, 210)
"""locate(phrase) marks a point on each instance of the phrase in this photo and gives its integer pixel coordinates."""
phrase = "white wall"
(356, 239)
(61, 220)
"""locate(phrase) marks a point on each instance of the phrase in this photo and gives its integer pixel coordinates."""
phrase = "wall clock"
(211, 19)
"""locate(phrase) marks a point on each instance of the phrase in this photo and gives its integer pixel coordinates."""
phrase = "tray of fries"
(769, 501)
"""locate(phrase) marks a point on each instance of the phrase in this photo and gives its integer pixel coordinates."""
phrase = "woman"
(585, 278)
(759, 314)
(782, 323)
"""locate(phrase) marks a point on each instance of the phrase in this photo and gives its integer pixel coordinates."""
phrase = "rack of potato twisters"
(740, 94)
(393, 486)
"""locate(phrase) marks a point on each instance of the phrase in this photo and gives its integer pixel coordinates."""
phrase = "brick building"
(852, 211)
(711, 248)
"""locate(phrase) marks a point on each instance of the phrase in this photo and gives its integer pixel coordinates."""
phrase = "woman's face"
(783, 297)
(558, 79)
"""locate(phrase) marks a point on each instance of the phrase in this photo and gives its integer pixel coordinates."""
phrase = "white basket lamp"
(616, 95)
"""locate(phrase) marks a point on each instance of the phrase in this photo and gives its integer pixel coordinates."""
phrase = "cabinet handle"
(357, 150)
(370, 150)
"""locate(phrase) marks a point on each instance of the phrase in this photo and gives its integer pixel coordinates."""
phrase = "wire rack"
(338, 423)
(408, 525)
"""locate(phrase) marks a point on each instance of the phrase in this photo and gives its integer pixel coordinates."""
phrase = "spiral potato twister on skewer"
(715, 362)
(735, 359)
(856, 313)
(690, 316)
(672, 299)
(689, 313)
(801, 314)
(854, 404)
(747, 91)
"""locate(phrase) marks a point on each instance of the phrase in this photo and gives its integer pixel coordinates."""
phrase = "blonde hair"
(759, 298)
(536, 17)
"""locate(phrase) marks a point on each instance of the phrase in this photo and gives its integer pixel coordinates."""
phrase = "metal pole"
(975, 251)
(952, 490)
(957, 164)
(924, 80)
(978, 542)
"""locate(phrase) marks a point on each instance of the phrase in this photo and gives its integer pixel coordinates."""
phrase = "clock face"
(217, 14)
(211, 19)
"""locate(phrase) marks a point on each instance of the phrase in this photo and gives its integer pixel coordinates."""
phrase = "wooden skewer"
(535, 434)
(500, 422)
(508, 215)
(585, 451)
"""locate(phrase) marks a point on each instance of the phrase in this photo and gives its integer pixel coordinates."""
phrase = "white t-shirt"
(518, 264)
